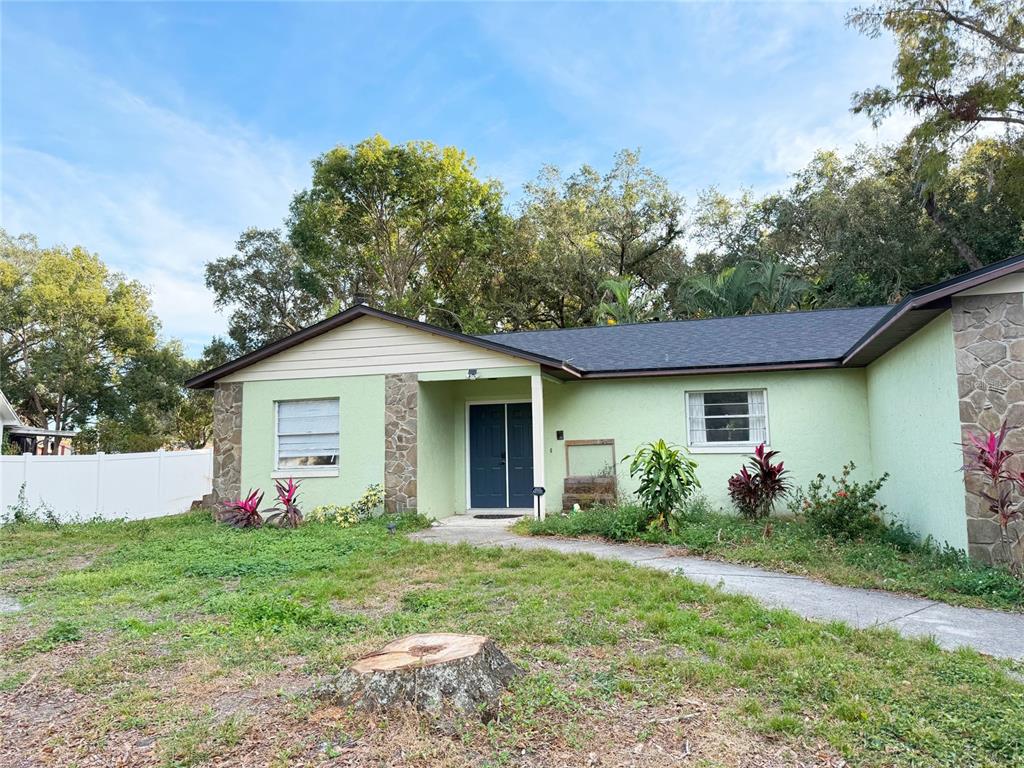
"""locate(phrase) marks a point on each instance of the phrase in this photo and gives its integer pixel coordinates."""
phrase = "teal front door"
(500, 456)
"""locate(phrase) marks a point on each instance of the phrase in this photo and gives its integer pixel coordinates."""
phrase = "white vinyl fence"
(113, 485)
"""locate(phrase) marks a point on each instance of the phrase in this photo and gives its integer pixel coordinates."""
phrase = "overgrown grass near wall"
(890, 562)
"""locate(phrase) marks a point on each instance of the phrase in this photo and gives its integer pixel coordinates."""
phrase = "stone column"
(227, 441)
(988, 335)
(400, 407)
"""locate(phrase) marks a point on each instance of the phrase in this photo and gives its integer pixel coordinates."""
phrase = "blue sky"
(154, 134)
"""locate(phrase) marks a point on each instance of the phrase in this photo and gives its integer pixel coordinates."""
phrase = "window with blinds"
(307, 433)
(731, 418)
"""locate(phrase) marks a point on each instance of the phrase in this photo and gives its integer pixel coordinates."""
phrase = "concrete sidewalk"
(991, 632)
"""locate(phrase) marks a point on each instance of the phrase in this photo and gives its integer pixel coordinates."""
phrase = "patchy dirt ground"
(184, 643)
(195, 713)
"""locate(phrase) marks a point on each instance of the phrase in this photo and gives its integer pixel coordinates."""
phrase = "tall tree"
(408, 227)
(260, 284)
(959, 65)
(78, 343)
(193, 417)
(585, 228)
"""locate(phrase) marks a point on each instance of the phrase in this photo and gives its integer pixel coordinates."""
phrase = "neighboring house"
(450, 423)
(28, 439)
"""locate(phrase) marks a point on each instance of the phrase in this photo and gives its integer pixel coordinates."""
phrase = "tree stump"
(468, 672)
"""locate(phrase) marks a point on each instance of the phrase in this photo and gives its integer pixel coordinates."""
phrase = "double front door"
(500, 456)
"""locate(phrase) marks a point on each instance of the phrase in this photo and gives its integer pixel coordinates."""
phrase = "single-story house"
(456, 424)
(29, 439)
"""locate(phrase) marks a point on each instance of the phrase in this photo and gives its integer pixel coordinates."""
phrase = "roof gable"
(362, 340)
(371, 345)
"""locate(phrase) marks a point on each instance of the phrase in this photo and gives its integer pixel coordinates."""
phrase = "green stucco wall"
(817, 419)
(361, 436)
(435, 449)
(914, 419)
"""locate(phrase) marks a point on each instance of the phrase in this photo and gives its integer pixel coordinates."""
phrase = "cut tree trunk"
(468, 672)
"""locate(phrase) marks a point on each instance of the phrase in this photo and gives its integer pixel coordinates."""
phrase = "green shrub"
(667, 479)
(366, 506)
(625, 522)
(619, 523)
(845, 509)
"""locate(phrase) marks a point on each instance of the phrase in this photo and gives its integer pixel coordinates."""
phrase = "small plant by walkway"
(889, 560)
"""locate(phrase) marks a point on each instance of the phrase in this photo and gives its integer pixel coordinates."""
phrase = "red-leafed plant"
(242, 513)
(286, 513)
(758, 485)
(986, 457)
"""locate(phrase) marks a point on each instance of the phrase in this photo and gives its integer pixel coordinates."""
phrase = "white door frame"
(489, 401)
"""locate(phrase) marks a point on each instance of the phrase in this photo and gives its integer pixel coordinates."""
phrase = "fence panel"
(109, 486)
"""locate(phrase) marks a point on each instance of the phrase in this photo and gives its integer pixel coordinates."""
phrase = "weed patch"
(891, 560)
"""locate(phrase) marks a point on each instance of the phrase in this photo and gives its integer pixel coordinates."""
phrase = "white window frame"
(724, 446)
(313, 471)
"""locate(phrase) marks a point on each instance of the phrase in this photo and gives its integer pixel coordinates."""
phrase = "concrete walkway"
(991, 632)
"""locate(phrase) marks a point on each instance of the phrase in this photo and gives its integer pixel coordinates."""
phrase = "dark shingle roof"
(790, 337)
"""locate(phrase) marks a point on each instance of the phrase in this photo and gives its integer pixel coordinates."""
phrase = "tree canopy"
(79, 348)
(959, 65)
(407, 227)
(259, 283)
(413, 228)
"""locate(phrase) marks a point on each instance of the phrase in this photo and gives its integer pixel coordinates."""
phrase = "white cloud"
(172, 193)
(723, 94)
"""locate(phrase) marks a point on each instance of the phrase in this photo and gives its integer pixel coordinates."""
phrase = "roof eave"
(927, 297)
(712, 369)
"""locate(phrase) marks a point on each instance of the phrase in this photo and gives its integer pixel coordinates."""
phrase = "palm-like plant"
(758, 485)
(987, 457)
(731, 292)
(750, 286)
(625, 302)
(667, 479)
(779, 287)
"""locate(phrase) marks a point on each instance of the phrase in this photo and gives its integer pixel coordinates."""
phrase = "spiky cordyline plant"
(987, 457)
(242, 513)
(758, 485)
(287, 513)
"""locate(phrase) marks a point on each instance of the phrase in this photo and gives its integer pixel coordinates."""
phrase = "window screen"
(307, 433)
(727, 418)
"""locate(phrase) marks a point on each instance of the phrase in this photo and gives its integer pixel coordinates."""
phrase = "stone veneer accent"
(227, 441)
(988, 335)
(400, 407)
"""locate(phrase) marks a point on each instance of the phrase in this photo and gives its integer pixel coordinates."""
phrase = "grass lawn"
(795, 547)
(179, 642)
